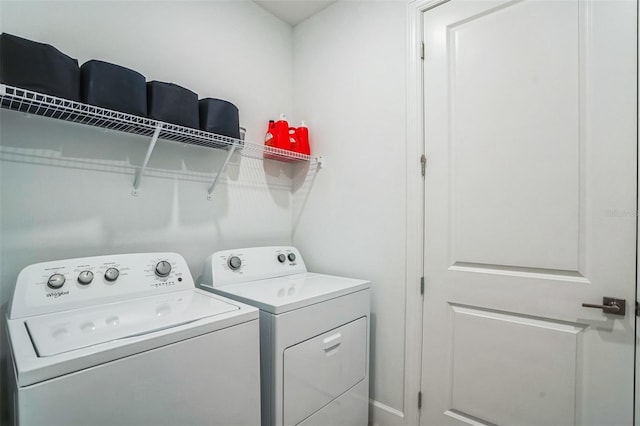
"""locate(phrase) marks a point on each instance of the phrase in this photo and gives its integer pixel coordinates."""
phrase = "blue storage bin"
(38, 67)
(113, 87)
(219, 116)
(171, 103)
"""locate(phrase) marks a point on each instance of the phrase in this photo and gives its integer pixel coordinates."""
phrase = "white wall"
(65, 190)
(350, 77)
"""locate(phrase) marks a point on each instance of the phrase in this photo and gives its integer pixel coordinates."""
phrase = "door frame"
(415, 214)
(415, 209)
(636, 411)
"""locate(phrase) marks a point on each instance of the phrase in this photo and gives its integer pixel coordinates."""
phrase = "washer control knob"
(282, 258)
(111, 274)
(85, 277)
(163, 268)
(234, 263)
(56, 281)
(292, 257)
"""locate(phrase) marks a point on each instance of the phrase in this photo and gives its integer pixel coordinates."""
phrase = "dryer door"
(322, 368)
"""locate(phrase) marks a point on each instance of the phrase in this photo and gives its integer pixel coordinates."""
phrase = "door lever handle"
(610, 305)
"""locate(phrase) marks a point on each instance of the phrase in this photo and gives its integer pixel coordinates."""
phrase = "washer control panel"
(73, 283)
(249, 264)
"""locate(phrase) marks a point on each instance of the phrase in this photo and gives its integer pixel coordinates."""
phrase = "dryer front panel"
(322, 368)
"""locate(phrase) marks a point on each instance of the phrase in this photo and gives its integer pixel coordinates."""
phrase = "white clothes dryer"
(314, 334)
(129, 340)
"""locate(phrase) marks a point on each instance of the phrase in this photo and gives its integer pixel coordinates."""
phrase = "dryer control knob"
(282, 258)
(163, 268)
(234, 262)
(292, 257)
(111, 274)
(56, 281)
(85, 277)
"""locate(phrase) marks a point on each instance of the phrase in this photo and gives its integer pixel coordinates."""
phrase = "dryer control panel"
(73, 283)
(249, 264)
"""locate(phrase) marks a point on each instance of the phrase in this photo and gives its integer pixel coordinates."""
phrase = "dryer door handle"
(332, 342)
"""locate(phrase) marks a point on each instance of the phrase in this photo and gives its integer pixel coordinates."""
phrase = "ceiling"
(294, 11)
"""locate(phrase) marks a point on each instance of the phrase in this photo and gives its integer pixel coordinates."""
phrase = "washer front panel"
(210, 378)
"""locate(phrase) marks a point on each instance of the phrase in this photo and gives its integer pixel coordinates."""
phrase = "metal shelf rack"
(29, 102)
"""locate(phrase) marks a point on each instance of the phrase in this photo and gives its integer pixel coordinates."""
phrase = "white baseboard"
(383, 415)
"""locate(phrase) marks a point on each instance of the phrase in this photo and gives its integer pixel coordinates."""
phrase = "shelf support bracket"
(138, 179)
(215, 179)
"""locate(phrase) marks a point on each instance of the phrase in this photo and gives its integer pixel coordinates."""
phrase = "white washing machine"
(314, 335)
(129, 340)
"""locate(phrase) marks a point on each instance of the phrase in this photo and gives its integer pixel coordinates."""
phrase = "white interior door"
(530, 137)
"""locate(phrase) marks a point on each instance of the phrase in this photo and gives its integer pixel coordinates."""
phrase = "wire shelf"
(30, 102)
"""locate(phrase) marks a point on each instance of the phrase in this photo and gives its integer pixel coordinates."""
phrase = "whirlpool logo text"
(57, 294)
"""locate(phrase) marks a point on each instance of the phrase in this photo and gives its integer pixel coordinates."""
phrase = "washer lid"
(61, 332)
(283, 294)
